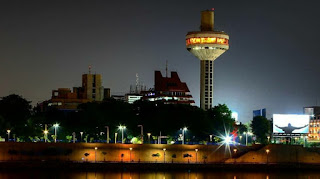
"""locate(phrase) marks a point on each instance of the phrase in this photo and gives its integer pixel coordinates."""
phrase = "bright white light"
(227, 140)
(234, 115)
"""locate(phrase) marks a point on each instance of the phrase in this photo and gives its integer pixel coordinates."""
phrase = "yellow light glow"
(207, 40)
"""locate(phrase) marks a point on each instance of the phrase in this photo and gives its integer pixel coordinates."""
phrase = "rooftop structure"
(207, 45)
(170, 90)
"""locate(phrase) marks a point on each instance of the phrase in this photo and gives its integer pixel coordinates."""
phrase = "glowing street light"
(95, 154)
(267, 151)
(81, 133)
(196, 155)
(247, 133)
(164, 155)
(183, 129)
(149, 134)
(122, 128)
(268, 138)
(130, 153)
(227, 140)
(55, 132)
(45, 135)
(8, 132)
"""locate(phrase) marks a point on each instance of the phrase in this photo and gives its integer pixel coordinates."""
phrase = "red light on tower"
(212, 9)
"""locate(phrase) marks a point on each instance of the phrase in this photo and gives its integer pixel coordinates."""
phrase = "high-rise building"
(207, 45)
(91, 90)
(92, 86)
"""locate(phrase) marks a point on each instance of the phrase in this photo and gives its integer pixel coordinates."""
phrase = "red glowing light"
(212, 9)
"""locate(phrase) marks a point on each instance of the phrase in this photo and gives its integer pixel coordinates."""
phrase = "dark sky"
(272, 62)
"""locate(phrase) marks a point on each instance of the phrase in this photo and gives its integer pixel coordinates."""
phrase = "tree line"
(91, 119)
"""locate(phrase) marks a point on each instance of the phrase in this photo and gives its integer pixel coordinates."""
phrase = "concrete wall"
(142, 153)
(279, 154)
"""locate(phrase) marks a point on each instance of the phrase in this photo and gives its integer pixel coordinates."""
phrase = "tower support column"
(206, 84)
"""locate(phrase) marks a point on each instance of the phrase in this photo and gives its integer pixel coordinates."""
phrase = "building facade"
(169, 90)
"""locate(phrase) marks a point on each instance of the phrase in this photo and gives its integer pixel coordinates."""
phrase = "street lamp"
(196, 155)
(107, 127)
(164, 155)
(95, 154)
(45, 135)
(8, 131)
(122, 128)
(130, 153)
(240, 138)
(267, 151)
(184, 129)
(55, 132)
(149, 134)
(81, 133)
(268, 139)
(235, 151)
(210, 137)
(247, 133)
(141, 133)
(115, 137)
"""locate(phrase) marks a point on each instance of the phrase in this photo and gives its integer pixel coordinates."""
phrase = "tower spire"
(166, 68)
(89, 69)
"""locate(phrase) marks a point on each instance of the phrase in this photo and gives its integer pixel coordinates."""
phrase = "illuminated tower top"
(207, 45)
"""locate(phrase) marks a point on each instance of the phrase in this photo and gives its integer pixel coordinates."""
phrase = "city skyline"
(270, 63)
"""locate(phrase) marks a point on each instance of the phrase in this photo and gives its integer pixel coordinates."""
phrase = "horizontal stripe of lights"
(207, 40)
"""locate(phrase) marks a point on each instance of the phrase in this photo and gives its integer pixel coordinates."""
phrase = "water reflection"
(157, 175)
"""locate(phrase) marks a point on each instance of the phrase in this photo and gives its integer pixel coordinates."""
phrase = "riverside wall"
(154, 153)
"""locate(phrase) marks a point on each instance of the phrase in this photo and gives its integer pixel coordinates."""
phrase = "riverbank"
(136, 167)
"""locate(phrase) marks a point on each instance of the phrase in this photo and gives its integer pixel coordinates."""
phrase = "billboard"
(290, 124)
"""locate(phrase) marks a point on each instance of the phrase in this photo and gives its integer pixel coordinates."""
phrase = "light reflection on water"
(157, 175)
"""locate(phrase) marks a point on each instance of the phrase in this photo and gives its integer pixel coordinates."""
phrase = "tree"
(14, 112)
(220, 118)
(260, 128)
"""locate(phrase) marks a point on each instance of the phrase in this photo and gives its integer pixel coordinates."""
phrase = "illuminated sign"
(207, 40)
(290, 124)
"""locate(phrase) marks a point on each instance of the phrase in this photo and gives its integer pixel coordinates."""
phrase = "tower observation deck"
(207, 45)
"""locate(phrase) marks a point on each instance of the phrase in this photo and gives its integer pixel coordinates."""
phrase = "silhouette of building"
(67, 99)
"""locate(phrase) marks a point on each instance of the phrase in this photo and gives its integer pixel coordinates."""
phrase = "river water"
(158, 175)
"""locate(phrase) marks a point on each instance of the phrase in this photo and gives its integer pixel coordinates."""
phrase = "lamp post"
(122, 128)
(164, 155)
(8, 132)
(115, 137)
(130, 153)
(81, 133)
(107, 127)
(196, 155)
(183, 129)
(267, 151)
(268, 139)
(240, 138)
(141, 132)
(45, 135)
(56, 125)
(95, 154)
(210, 138)
(149, 134)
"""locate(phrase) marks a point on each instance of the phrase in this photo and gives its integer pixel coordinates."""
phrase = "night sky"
(272, 62)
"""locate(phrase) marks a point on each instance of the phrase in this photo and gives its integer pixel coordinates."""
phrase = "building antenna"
(89, 69)
(166, 68)
(137, 82)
